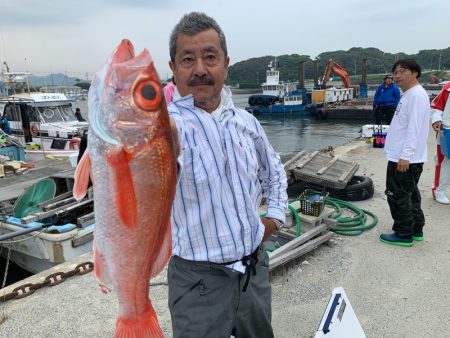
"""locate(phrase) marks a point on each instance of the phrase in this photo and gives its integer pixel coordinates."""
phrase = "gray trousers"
(207, 300)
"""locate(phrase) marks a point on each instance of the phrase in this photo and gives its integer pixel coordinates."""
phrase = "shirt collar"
(225, 106)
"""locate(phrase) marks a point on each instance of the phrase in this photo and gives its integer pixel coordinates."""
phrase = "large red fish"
(131, 160)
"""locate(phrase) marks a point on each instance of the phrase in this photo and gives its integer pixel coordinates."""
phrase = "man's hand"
(402, 165)
(437, 125)
(270, 227)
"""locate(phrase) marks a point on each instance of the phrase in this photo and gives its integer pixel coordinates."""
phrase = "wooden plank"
(293, 159)
(330, 222)
(299, 251)
(80, 240)
(346, 173)
(69, 173)
(59, 204)
(300, 164)
(284, 233)
(55, 199)
(41, 215)
(298, 241)
(85, 220)
(327, 166)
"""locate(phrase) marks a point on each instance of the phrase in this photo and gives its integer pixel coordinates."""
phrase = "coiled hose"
(350, 226)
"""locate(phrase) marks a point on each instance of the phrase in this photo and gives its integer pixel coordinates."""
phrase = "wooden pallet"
(324, 170)
(314, 232)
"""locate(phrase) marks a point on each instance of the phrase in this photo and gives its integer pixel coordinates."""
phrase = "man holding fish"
(218, 273)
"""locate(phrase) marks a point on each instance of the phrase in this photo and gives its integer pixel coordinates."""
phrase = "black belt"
(249, 262)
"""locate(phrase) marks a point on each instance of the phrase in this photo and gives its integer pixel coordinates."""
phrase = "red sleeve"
(440, 100)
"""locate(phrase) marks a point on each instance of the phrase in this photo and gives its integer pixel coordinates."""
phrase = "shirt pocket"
(197, 164)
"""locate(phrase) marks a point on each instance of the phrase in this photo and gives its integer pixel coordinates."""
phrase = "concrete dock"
(394, 291)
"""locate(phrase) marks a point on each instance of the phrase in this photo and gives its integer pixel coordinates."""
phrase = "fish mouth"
(124, 52)
(122, 57)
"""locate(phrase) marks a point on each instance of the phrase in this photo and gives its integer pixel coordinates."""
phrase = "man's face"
(404, 78)
(200, 68)
(388, 81)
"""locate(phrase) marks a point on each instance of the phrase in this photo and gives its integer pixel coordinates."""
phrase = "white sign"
(45, 97)
(339, 319)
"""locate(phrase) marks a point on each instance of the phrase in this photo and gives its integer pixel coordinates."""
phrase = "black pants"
(404, 199)
(384, 114)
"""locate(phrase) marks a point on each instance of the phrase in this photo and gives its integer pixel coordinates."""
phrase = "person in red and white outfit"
(440, 115)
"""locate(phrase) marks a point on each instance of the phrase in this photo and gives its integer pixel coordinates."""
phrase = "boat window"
(50, 114)
(32, 115)
(12, 113)
(68, 114)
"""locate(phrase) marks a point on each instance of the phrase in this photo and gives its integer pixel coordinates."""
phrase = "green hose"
(297, 224)
(350, 226)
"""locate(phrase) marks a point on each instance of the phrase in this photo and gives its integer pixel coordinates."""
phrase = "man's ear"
(227, 62)
(172, 68)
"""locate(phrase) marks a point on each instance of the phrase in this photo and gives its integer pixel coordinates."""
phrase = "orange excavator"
(333, 66)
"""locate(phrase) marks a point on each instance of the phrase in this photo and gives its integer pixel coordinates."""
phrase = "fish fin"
(100, 269)
(164, 252)
(126, 203)
(82, 173)
(143, 325)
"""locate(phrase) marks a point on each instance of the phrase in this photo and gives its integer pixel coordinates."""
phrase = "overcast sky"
(76, 37)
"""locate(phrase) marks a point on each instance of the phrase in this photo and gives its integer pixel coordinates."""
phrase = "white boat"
(43, 122)
(38, 231)
(277, 96)
(368, 130)
(38, 251)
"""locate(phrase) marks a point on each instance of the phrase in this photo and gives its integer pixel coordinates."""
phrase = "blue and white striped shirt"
(227, 166)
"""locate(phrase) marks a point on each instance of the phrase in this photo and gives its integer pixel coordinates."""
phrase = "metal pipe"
(301, 74)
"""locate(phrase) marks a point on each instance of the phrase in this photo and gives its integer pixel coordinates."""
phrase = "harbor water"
(289, 134)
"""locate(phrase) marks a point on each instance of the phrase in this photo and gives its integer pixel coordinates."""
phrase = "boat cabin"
(42, 121)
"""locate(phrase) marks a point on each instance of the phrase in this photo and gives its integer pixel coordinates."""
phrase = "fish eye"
(147, 95)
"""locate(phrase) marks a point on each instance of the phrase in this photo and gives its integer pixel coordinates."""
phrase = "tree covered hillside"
(252, 72)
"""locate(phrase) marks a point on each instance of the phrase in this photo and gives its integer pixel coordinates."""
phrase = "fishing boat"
(43, 122)
(277, 97)
(45, 226)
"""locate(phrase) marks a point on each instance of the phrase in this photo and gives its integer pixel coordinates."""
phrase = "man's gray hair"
(191, 24)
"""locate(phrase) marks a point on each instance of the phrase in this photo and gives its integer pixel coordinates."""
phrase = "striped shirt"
(227, 166)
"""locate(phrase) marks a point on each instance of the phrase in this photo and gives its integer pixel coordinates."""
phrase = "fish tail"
(143, 326)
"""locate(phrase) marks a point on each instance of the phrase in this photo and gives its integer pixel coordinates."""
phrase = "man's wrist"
(278, 223)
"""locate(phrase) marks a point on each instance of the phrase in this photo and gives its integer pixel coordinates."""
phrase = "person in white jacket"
(440, 116)
(406, 151)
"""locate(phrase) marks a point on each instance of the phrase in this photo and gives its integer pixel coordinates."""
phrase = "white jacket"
(408, 133)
